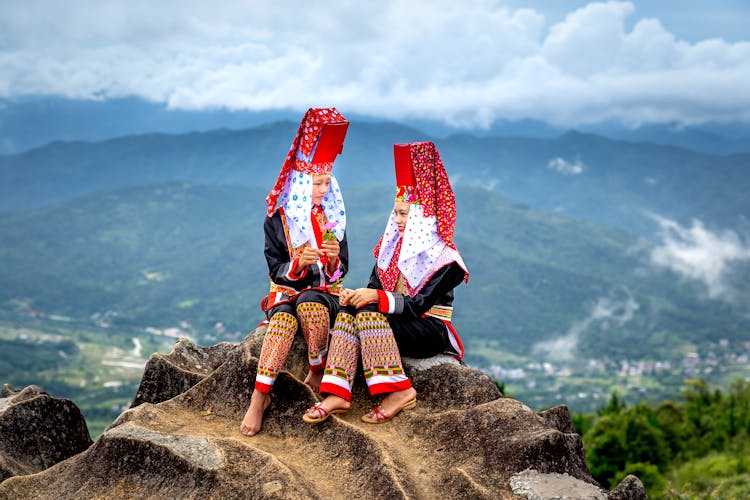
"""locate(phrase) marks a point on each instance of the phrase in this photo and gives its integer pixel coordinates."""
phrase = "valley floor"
(99, 367)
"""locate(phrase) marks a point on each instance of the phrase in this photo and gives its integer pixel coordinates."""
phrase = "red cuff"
(291, 270)
(331, 273)
(383, 302)
(264, 388)
(387, 387)
(336, 390)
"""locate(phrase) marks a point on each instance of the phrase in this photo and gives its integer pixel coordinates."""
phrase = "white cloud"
(619, 308)
(466, 64)
(699, 254)
(565, 167)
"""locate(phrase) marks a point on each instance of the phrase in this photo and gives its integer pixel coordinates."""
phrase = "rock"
(559, 418)
(631, 488)
(534, 485)
(166, 376)
(37, 431)
(463, 439)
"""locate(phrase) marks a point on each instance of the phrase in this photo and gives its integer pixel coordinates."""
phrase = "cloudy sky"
(461, 63)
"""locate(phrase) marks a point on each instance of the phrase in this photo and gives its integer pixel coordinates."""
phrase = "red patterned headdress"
(319, 139)
(406, 183)
(421, 178)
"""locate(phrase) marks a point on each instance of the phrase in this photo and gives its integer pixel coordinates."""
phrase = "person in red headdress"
(406, 308)
(307, 255)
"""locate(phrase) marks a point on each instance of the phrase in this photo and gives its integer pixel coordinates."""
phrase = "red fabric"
(313, 168)
(330, 143)
(307, 133)
(434, 189)
(384, 387)
(316, 210)
(382, 302)
(264, 388)
(376, 249)
(402, 163)
(320, 367)
(389, 277)
(336, 390)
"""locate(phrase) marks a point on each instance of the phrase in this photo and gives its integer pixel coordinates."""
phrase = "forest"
(698, 447)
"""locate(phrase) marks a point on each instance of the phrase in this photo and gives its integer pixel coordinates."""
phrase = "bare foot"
(332, 404)
(394, 401)
(313, 379)
(253, 420)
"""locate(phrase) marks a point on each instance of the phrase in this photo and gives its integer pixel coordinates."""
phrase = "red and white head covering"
(427, 244)
(319, 139)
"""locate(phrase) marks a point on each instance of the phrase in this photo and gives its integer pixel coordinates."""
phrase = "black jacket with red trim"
(437, 291)
(280, 265)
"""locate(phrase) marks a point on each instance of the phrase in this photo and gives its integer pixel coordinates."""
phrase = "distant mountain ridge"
(163, 254)
(31, 122)
(616, 183)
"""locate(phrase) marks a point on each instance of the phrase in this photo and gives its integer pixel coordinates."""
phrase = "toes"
(248, 431)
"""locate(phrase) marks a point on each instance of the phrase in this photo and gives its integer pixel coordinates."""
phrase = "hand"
(344, 295)
(308, 256)
(361, 297)
(331, 249)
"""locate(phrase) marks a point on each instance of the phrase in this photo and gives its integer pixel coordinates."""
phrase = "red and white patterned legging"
(313, 320)
(369, 334)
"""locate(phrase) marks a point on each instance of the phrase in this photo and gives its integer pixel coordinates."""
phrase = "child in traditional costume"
(306, 251)
(407, 306)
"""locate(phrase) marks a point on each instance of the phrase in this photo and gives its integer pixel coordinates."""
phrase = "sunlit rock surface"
(463, 440)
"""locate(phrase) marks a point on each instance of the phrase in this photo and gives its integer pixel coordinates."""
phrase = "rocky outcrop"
(167, 376)
(37, 431)
(462, 440)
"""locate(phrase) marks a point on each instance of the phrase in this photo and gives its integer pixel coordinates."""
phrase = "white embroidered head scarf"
(427, 243)
(293, 188)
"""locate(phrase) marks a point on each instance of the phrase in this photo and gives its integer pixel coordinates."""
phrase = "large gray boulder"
(37, 431)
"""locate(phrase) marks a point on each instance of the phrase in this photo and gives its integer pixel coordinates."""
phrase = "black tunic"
(421, 336)
(278, 252)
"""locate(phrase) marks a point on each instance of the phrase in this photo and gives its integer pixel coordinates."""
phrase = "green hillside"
(544, 289)
(177, 252)
(615, 183)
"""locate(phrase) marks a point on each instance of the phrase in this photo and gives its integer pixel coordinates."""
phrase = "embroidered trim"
(443, 313)
(313, 168)
(387, 371)
(407, 194)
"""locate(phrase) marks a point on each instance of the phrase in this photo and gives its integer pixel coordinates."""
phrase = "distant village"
(589, 380)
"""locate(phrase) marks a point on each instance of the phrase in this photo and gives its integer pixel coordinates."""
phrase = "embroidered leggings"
(313, 318)
(367, 333)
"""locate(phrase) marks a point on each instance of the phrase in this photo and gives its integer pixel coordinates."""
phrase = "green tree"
(614, 406)
(617, 439)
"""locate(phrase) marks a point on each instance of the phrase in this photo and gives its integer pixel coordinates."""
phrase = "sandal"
(376, 415)
(322, 413)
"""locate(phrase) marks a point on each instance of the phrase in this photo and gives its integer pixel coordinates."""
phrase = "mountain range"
(582, 249)
(171, 253)
(28, 123)
(615, 183)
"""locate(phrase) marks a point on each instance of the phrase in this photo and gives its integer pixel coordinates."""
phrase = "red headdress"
(319, 139)
(427, 241)
(421, 178)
